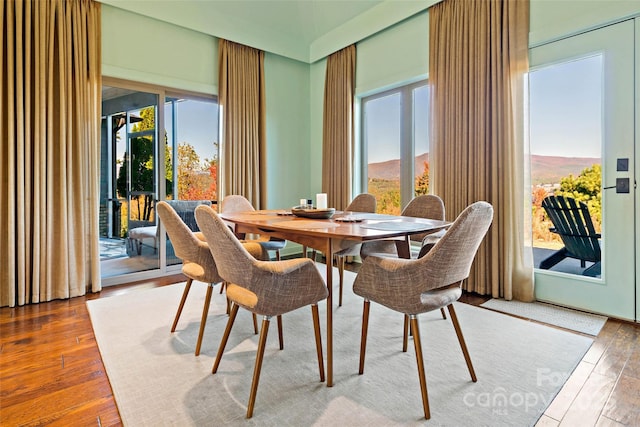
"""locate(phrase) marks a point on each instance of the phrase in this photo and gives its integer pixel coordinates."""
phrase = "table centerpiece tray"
(313, 212)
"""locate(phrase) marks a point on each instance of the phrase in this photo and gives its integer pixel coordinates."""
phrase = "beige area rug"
(567, 318)
(157, 380)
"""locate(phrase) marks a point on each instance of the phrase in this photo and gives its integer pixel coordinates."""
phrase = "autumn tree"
(422, 181)
(197, 180)
(142, 157)
(587, 188)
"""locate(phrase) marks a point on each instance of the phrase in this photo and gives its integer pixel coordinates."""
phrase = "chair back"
(450, 260)
(184, 242)
(572, 222)
(234, 262)
(235, 203)
(265, 287)
(364, 202)
(427, 206)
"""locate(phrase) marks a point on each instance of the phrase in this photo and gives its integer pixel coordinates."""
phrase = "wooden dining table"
(342, 230)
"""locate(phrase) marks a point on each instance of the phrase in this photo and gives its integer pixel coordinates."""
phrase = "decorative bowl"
(313, 212)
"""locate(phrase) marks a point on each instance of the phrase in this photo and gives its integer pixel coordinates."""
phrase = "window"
(396, 145)
(565, 122)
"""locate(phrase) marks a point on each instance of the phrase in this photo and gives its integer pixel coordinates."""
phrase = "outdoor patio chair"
(572, 222)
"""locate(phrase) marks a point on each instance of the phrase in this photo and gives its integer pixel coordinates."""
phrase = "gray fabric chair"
(415, 286)
(364, 202)
(197, 262)
(265, 288)
(424, 206)
(235, 203)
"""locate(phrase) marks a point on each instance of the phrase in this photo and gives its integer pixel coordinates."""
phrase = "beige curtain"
(478, 54)
(49, 155)
(242, 104)
(337, 127)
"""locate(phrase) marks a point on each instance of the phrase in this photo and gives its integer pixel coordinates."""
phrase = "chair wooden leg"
(405, 335)
(444, 315)
(222, 286)
(203, 321)
(305, 253)
(363, 338)
(341, 263)
(463, 345)
(316, 330)
(277, 254)
(280, 335)
(256, 371)
(255, 323)
(420, 361)
(187, 287)
(225, 337)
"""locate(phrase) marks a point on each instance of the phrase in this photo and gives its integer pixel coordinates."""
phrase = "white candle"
(303, 203)
(321, 200)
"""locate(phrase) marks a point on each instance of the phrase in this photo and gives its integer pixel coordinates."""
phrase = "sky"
(566, 108)
(565, 114)
(197, 125)
(383, 125)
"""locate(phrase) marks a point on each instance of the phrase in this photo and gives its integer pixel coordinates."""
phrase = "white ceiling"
(305, 30)
(305, 20)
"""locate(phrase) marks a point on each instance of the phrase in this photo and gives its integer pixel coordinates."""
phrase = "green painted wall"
(142, 49)
(318, 71)
(398, 55)
(288, 131)
(551, 20)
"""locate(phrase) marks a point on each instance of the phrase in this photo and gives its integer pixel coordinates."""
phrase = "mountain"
(390, 169)
(550, 169)
(544, 169)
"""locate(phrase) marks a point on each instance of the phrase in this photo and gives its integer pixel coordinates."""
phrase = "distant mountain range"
(544, 169)
(390, 169)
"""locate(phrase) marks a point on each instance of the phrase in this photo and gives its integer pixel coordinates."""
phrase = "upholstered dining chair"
(429, 283)
(364, 202)
(237, 203)
(264, 288)
(427, 206)
(197, 261)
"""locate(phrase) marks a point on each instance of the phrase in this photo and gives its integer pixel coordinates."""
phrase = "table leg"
(404, 248)
(329, 258)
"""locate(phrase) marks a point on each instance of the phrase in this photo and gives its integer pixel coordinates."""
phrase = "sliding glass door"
(129, 184)
(156, 145)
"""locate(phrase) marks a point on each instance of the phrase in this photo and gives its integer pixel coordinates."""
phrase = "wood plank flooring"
(51, 372)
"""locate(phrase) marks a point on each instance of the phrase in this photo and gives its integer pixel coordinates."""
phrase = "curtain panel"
(49, 157)
(337, 127)
(241, 97)
(478, 56)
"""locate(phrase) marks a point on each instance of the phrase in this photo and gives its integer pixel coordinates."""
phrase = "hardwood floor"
(51, 372)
